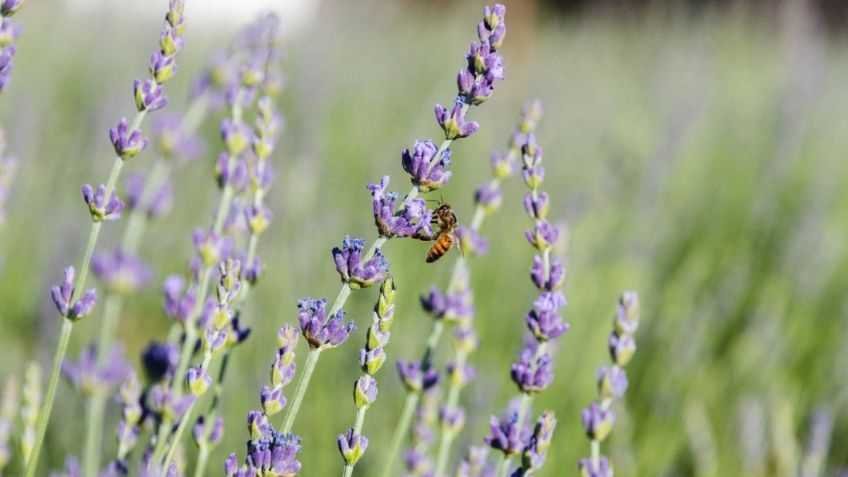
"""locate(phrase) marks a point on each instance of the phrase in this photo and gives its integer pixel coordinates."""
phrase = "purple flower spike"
(121, 272)
(453, 122)
(318, 330)
(352, 446)
(537, 449)
(621, 347)
(198, 380)
(356, 274)
(536, 207)
(270, 453)
(452, 420)
(542, 235)
(554, 280)
(587, 468)
(62, 295)
(544, 320)
(162, 67)
(612, 382)
(98, 207)
(149, 95)
(273, 401)
(506, 436)
(159, 204)
(414, 379)
(532, 375)
(365, 391)
(127, 143)
(426, 170)
(412, 221)
(91, 380)
(597, 421)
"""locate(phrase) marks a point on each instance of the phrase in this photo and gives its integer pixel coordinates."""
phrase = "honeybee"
(445, 219)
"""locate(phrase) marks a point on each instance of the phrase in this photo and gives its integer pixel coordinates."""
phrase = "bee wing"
(458, 240)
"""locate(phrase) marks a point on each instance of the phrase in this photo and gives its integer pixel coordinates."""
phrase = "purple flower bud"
(489, 196)
(9, 32)
(177, 306)
(63, 294)
(612, 382)
(320, 331)
(471, 241)
(6, 66)
(544, 320)
(149, 95)
(121, 272)
(86, 376)
(172, 139)
(452, 420)
(287, 338)
(372, 360)
(236, 136)
(258, 218)
(160, 360)
(465, 338)
(587, 468)
(98, 207)
(542, 235)
(352, 446)
(453, 122)
(502, 164)
(356, 274)
(9, 7)
(162, 67)
(273, 401)
(552, 282)
(414, 379)
(211, 247)
(365, 391)
(533, 176)
(621, 348)
(536, 208)
(456, 307)
(597, 421)
(532, 374)
(283, 369)
(537, 449)
(627, 313)
(208, 436)
(459, 376)
(506, 435)
(167, 405)
(426, 170)
(215, 340)
(414, 220)
(127, 143)
(170, 42)
(156, 203)
(198, 380)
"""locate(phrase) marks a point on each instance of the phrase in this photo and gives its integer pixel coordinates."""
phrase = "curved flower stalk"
(270, 452)
(353, 443)
(426, 164)
(598, 418)
(70, 299)
(455, 305)
(533, 372)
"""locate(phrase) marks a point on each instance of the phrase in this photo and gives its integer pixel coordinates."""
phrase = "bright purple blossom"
(426, 170)
(354, 272)
(269, 453)
(98, 206)
(319, 330)
(127, 143)
(551, 282)
(149, 95)
(536, 207)
(413, 220)
(532, 374)
(162, 67)
(63, 294)
(121, 271)
(612, 382)
(544, 320)
(352, 446)
(453, 121)
(597, 421)
(542, 235)
(506, 435)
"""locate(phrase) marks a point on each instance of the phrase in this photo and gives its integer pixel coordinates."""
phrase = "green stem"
(596, 454)
(138, 217)
(302, 384)
(47, 407)
(94, 427)
(503, 468)
(357, 429)
(202, 460)
(448, 435)
(401, 430)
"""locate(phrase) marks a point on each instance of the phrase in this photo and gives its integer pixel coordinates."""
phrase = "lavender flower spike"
(356, 274)
(99, 208)
(127, 143)
(63, 294)
(320, 331)
(427, 171)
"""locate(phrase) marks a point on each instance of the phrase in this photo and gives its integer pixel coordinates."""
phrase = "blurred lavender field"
(697, 159)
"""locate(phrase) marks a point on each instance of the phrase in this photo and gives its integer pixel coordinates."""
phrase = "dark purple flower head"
(127, 143)
(273, 400)
(160, 360)
(120, 271)
(542, 235)
(172, 140)
(208, 436)
(537, 449)
(320, 331)
(178, 306)
(612, 382)
(426, 170)
(489, 196)
(99, 208)
(414, 378)
(9, 7)
(506, 435)
(352, 270)
(162, 67)
(149, 95)
(532, 374)
(453, 121)
(365, 391)
(544, 320)
(236, 136)
(63, 294)
(412, 221)
(272, 453)
(452, 420)
(536, 207)
(597, 421)
(588, 468)
(352, 446)
(155, 203)
(211, 247)
(551, 282)
(89, 378)
(471, 241)
(621, 347)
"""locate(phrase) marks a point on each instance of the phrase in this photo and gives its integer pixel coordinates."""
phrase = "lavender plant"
(598, 418)
(455, 304)
(427, 168)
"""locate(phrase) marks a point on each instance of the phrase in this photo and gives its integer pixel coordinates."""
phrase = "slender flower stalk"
(533, 372)
(103, 203)
(598, 418)
(353, 443)
(411, 218)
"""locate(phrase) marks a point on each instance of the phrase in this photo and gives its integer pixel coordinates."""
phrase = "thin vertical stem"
(300, 391)
(401, 430)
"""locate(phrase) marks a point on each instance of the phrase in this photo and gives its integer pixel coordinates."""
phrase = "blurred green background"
(699, 160)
